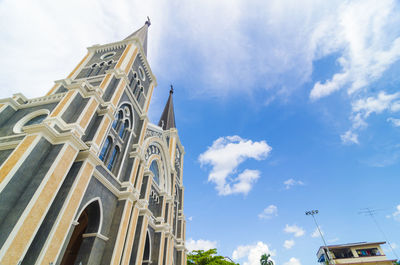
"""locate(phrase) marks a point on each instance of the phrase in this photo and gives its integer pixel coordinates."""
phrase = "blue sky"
(282, 106)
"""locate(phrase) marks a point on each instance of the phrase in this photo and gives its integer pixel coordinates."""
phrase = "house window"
(342, 253)
(368, 252)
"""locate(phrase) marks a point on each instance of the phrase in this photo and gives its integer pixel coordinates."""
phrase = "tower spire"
(167, 120)
(141, 34)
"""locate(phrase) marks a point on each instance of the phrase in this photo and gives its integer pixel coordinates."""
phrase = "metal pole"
(320, 233)
(319, 230)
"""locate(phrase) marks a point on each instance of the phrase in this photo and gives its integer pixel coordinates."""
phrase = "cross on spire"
(148, 22)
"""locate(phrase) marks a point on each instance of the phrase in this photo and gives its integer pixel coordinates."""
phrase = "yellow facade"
(355, 254)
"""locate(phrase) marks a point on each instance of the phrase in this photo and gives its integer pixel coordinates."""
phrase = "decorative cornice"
(90, 156)
(54, 137)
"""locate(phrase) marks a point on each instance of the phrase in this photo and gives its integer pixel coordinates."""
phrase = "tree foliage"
(209, 257)
(265, 260)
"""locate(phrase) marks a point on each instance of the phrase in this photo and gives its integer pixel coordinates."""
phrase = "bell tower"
(85, 178)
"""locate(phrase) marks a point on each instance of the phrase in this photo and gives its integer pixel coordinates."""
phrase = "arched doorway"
(147, 250)
(88, 222)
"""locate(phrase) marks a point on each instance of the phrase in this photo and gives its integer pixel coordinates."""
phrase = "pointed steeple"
(141, 34)
(167, 120)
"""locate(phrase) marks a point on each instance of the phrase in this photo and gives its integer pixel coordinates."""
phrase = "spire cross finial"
(148, 23)
(171, 91)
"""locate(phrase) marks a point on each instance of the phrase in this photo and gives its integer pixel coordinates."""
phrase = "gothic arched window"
(136, 87)
(105, 149)
(118, 118)
(124, 126)
(91, 69)
(113, 158)
(156, 172)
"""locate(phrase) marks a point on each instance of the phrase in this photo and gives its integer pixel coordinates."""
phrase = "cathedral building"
(85, 178)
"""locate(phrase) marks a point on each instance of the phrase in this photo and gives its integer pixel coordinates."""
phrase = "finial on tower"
(171, 91)
(148, 22)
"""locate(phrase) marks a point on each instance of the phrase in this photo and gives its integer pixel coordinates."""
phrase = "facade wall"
(76, 176)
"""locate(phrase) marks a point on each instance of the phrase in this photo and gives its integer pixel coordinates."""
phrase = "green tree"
(209, 257)
(265, 260)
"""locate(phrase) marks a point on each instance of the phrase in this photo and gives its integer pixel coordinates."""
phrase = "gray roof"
(141, 34)
(167, 120)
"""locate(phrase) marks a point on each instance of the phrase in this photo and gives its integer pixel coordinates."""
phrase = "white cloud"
(190, 218)
(288, 244)
(349, 137)
(316, 233)
(292, 261)
(200, 244)
(225, 155)
(333, 240)
(294, 229)
(292, 182)
(269, 212)
(251, 254)
(285, 39)
(364, 107)
(378, 104)
(365, 41)
(396, 214)
(395, 122)
(366, 46)
(43, 44)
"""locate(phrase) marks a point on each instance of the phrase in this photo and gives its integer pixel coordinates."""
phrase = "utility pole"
(370, 212)
(312, 213)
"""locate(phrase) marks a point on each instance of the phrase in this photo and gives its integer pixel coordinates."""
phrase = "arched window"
(99, 68)
(147, 250)
(113, 158)
(118, 117)
(131, 80)
(136, 87)
(108, 65)
(36, 120)
(156, 172)
(91, 70)
(105, 149)
(140, 92)
(124, 126)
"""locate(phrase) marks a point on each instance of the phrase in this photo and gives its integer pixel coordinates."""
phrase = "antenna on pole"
(372, 212)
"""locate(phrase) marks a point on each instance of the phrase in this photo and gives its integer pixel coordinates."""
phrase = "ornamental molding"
(153, 133)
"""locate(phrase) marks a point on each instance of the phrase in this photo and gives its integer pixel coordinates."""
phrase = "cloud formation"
(364, 39)
(396, 214)
(364, 107)
(250, 254)
(316, 234)
(292, 261)
(294, 229)
(225, 155)
(200, 244)
(288, 244)
(292, 182)
(275, 48)
(269, 212)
